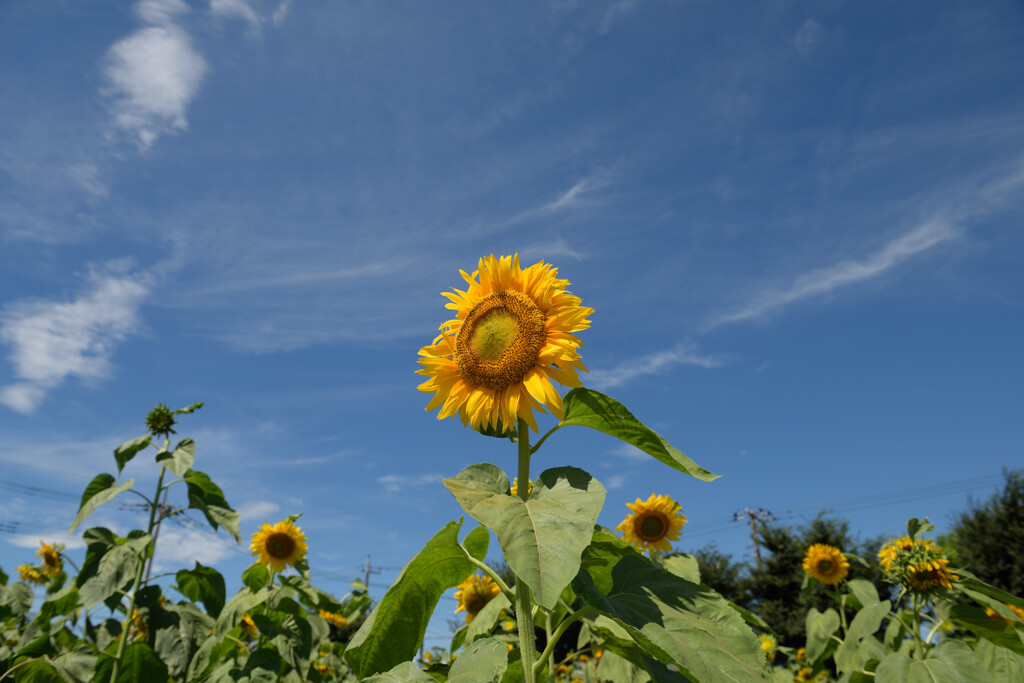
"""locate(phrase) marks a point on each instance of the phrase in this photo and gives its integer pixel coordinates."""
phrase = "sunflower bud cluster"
(160, 420)
(916, 563)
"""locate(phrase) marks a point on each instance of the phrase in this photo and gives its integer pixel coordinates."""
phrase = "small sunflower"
(826, 563)
(804, 675)
(801, 654)
(930, 574)
(279, 545)
(474, 593)
(31, 574)
(768, 646)
(653, 524)
(51, 559)
(992, 614)
(160, 421)
(515, 487)
(511, 336)
(335, 620)
(249, 626)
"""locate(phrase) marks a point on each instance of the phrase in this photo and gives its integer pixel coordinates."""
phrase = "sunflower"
(768, 646)
(826, 563)
(653, 524)
(511, 336)
(51, 559)
(335, 620)
(801, 654)
(992, 614)
(887, 555)
(515, 487)
(474, 593)
(279, 545)
(31, 574)
(804, 675)
(249, 626)
(930, 574)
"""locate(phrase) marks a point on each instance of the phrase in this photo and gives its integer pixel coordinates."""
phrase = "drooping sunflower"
(654, 523)
(474, 593)
(279, 545)
(826, 563)
(336, 620)
(511, 336)
(51, 559)
(929, 575)
(31, 574)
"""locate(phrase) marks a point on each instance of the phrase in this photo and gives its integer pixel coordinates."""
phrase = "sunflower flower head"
(992, 614)
(515, 487)
(653, 523)
(768, 646)
(249, 626)
(335, 620)
(826, 563)
(50, 556)
(929, 575)
(160, 420)
(30, 574)
(279, 545)
(804, 675)
(917, 563)
(512, 335)
(474, 593)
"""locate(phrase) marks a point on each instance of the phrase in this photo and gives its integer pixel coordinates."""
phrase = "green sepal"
(589, 408)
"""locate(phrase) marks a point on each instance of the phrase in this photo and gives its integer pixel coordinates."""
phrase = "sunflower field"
(578, 603)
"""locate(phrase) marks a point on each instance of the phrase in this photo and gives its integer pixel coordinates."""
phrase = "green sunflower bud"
(160, 420)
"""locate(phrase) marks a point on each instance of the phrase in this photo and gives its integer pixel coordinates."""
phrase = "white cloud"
(843, 274)
(50, 341)
(558, 248)
(160, 12)
(684, 353)
(154, 73)
(184, 547)
(70, 541)
(238, 9)
(571, 198)
(808, 38)
(614, 11)
(257, 510)
(393, 483)
(631, 453)
(87, 177)
(281, 12)
(616, 481)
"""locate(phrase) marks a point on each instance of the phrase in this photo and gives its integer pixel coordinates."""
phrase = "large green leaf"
(16, 598)
(484, 661)
(237, 607)
(485, 620)
(820, 627)
(180, 459)
(205, 585)
(140, 663)
(864, 591)
(677, 621)
(866, 622)
(997, 631)
(542, 538)
(951, 662)
(394, 630)
(406, 672)
(101, 489)
(116, 569)
(593, 409)
(962, 660)
(205, 495)
(615, 638)
(38, 671)
(1001, 664)
(129, 449)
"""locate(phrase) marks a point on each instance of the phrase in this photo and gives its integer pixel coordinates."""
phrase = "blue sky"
(799, 225)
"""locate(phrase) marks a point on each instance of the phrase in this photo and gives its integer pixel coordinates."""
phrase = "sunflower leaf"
(129, 449)
(101, 489)
(589, 408)
(394, 630)
(205, 585)
(543, 537)
(483, 661)
(180, 459)
(406, 672)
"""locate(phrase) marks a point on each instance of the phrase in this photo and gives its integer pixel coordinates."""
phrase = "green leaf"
(140, 663)
(256, 576)
(205, 585)
(406, 672)
(866, 622)
(951, 662)
(996, 631)
(543, 538)
(129, 449)
(593, 409)
(962, 660)
(180, 459)
(76, 665)
(116, 570)
(483, 623)
(820, 627)
(237, 607)
(60, 603)
(1001, 664)
(394, 630)
(684, 566)
(864, 591)
(179, 631)
(38, 671)
(484, 661)
(101, 489)
(204, 495)
(18, 598)
(262, 664)
(190, 409)
(677, 622)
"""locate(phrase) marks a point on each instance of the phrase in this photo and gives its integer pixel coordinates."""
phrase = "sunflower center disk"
(825, 566)
(280, 545)
(499, 340)
(652, 528)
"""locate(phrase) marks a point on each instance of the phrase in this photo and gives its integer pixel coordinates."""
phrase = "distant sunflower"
(514, 490)
(335, 620)
(279, 545)
(804, 675)
(51, 559)
(992, 614)
(826, 563)
(31, 574)
(653, 524)
(889, 552)
(768, 646)
(249, 626)
(929, 575)
(511, 336)
(474, 593)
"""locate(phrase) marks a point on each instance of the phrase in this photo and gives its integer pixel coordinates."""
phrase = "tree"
(988, 537)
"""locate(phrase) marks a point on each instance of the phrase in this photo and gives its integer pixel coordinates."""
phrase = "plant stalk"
(524, 606)
(154, 504)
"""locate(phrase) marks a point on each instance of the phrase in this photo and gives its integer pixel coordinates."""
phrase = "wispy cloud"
(631, 453)
(684, 353)
(70, 541)
(576, 196)
(257, 510)
(153, 74)
(238, 9)
(50, 341)
(393, 483)
(184, 547)
(842, 274)
(547, 251)
(808, 38)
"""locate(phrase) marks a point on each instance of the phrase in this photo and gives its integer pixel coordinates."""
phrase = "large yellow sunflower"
(51, 559)
(826, 563)
(279, 545)
(930, 574)
(474, 593)
(511, 336)
(653, 524)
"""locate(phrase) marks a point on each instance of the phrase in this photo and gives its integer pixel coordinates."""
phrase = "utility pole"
(369, 570)
(754, 515)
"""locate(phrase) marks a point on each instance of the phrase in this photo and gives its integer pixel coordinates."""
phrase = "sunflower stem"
(549, 650)
(544, 438)
(524, 606)
(491, 573)
(138, 580)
